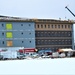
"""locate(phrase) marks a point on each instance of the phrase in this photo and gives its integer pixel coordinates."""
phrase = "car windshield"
(43, 51)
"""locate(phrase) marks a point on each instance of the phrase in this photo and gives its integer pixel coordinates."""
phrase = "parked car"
(20, 55)
(55, 55)
(1, 57)
(45, 53)
(35, 55)
(62, 55)
(46, 56)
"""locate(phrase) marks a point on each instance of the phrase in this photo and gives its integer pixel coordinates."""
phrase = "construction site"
(21, 37)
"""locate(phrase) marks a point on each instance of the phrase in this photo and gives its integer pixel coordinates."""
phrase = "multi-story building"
(36, 33)
(16, 32)
(54, 34)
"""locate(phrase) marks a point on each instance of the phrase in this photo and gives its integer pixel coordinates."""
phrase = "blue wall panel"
(22, 33)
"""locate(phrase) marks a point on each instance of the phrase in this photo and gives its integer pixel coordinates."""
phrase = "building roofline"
(19, 19)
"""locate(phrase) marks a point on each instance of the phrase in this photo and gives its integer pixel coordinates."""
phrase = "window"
(29, 24)
(69, 42)
(22, 41)
(21, 24)
(65, 26)
(58, 26)
(42, 41)
(38, 42)
(2, 33)
(30, 41)
(52, 34)
(62, 42)
(45, 42)
(48, 26)
(56, 41)
(2, 25)
(59, 42)
(38, 34)
(9, 26)
(62, 26)
(55, 26)
(53, 42)
(59, 34)
(55, 34)
(27, 53)
(38, 26)
(22, 33)
(66, 41)
(48, 42)
(68, 26)
(45, 48)
(9, 34)
(45, 34)
(45, 26)
(9, 43)
(69, 34)
(62, 34)
(41, 26)
(2, 42)
(52, 26)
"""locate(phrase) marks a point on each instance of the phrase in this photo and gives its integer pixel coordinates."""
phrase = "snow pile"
(38, 66)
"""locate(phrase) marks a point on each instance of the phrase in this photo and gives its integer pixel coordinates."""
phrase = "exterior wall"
(53, 34)
(17, 34)
(46, 34)
(73, 37)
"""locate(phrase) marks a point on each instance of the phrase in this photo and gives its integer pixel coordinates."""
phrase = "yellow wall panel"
(9, 34)
(9, 26)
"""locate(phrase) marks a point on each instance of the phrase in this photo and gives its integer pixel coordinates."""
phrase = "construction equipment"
(70, 11)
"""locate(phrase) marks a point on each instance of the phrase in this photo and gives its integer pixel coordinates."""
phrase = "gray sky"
(37, 8)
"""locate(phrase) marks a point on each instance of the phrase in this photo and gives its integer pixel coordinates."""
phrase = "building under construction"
(36, 33)
(17, 32)
(54, 34)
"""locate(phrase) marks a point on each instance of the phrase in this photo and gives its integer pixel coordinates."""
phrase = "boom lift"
(73, 22)
(70, 11)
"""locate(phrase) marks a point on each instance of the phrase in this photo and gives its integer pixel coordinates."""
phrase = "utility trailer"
(67, 51)
(8, 55)
(28, 52)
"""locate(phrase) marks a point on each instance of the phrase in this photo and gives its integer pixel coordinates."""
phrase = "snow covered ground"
(38, 66)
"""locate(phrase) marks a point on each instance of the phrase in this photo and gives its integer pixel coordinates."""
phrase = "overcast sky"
(37, 8)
